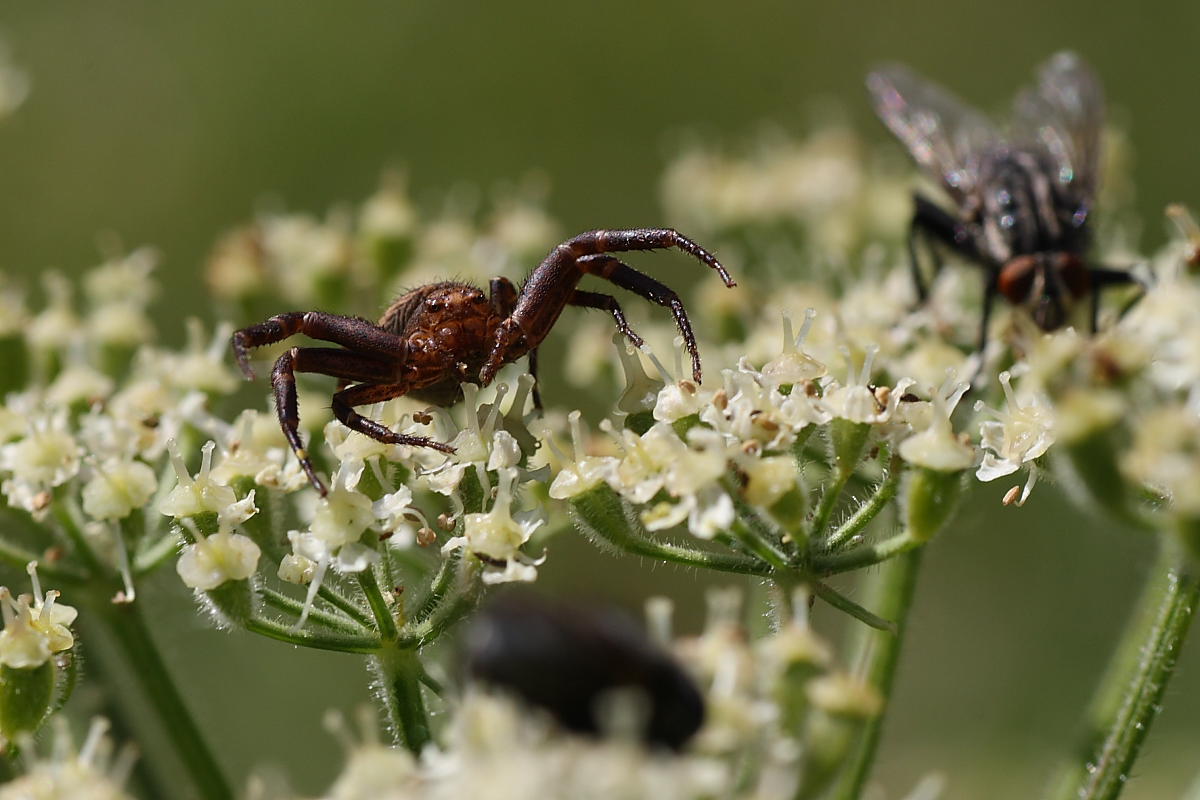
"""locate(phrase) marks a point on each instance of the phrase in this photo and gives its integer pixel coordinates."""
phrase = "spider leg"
(367, 393)
(552, 283)
(623, 241)
(353, 333)
(605, 302)
(625, 276)
(537, 395)
(325, 361)
(503, 296)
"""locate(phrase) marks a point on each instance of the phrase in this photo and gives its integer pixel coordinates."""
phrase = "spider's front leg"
(353, 333)
(551, 287)
(330, 361)
(366, 394)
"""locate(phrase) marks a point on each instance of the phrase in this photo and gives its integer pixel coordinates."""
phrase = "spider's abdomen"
(449, 327)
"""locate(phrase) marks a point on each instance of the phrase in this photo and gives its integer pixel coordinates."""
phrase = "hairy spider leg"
(503, 296)
(371, 371)
(550, 286)
(354, 333)
(604, 302)
(626, 277)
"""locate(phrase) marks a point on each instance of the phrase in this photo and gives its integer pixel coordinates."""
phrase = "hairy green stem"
(890, 590)
(845, 604)
(865, 556)
(870, 509)
(379, 606)
(316, 640)
(348, 607)
(1130, 695)
(289, 605)
(399, 674)
(129, 631)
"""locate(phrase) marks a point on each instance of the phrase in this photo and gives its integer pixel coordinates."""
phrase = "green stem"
(870, 509)
(348, 607)
(282, 602)
(129, 631)
(891, 590)
(399, 674)
(865, 556)
(845, 604)
(316, 640)
(1130, 694)
(156, 554)
(608, 521)
(829, 499)
(438, 587)
(379, 606)
(67, 514)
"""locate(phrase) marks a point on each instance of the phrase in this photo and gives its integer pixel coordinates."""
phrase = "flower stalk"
(1130, 695)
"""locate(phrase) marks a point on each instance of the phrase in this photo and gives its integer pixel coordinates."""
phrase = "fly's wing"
(944, 135)
(1064, 113)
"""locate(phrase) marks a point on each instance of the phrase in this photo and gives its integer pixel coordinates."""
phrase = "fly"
(1023, 196)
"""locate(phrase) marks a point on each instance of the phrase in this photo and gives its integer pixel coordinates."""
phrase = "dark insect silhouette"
(1023, 196)
(564, 659)
(437, 337)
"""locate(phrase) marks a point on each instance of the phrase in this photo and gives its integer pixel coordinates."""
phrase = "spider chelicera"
(436, 337)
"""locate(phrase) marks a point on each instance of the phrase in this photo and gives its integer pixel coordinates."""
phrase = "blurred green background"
(167, 123)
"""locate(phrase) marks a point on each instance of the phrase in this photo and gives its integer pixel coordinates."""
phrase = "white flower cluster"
(35, 626)
(313, 261)
(1131, 393)
(819, 185)
(708, 447)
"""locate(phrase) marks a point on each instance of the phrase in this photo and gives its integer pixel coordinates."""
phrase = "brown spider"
(437, 337)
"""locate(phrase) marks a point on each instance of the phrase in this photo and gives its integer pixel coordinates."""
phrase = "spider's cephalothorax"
(437, 337)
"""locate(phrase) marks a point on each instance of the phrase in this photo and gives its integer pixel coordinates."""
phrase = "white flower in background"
(57, 325)
(48, 456)
(1019, 435)
(496, 536)
(295, 568)
(937, 447)
(14, 316)
(583, 472)
(306, 251)
(254, 447)
(79, 382)
(342, 515)
(91, 773)
(117, 487)
(1165, 456)
(201, 366)
(14, 84)
(35, 626)
(213, 560)
(856, 401)
(389, 213)
(198, 495)
(124, 279)
(793, 365)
